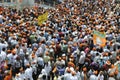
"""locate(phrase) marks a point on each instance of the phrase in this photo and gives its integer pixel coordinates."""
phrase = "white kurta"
(93, 77)
(28, 73)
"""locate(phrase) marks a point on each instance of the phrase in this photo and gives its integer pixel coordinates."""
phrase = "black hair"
(3, 49)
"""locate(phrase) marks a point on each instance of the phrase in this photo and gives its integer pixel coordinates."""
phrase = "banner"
(42, 18)
(99, 38)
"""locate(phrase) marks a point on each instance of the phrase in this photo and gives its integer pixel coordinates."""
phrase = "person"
(73, 76)
(67, 75)
(100, 75)
(84, 74)
(21, 74)
(17, 77)
(46, 58)
(3, 44)
(1, 75)
(41, 64)
(8, 75)
(3, 54)
(111, 76)
(48, 69)
(18, 65)
(43, 75)
(94, 76)
(2, 18)
(81, 59)
(29, 72)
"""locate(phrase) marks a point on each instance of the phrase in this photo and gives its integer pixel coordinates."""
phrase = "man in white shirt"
(39, 51)
(67, 75)
(94, 76)
(9, 59)
(93, 53)
(1, 18)
(111, 76)
(33, 62)
(40, 63)
(22, 74)
(100, 75)
(17, 77)
(1, 58)
(29, 72)
(3, 44)
(3, 53)
(43, 75)
(73, 76)
(48, 68)
(81, 59)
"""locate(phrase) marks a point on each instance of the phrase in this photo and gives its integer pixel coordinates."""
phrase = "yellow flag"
(42, 18)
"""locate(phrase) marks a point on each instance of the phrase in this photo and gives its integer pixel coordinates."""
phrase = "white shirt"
(22, 76)
(39, 51)
(21, 52)
(1, 18)
(82, 59)
(3, 55)
(93, 53)
(1, 58)
(111, 78)
(78, 75)
(96, 58)
(66, 76)
(40, 61)
(93, 77)
(14, 42)
(82, 75)
(3, 45)
(73, 77)
(28, 73)
(14, 58)
(26, 62)
(10, 58)
(43, 72)
(100, 77)
(18, 78)
(48, 69)
(71, 68)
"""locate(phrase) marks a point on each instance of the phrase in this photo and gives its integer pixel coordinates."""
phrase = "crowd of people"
(62, 47)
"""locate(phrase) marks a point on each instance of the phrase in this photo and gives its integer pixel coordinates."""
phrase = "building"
(19, 4)
(3, 1)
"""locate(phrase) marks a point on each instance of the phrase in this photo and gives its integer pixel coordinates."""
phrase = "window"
(7, 0)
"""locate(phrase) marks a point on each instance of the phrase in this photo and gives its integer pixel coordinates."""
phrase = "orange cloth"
(9, 76)
(71, 64)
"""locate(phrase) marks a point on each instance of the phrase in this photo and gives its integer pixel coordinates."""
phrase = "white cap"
(82, 52)
(63, 55)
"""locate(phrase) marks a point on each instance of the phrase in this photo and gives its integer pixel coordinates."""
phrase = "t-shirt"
(46, 59)
(1, 18)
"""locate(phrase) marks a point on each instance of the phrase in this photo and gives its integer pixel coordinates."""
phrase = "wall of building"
(3, 1)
